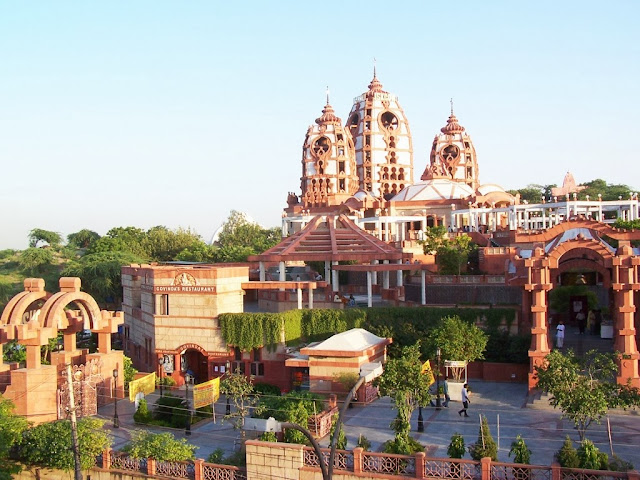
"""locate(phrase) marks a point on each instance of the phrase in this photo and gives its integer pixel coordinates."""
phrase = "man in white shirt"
(560, 334)
(465, 400)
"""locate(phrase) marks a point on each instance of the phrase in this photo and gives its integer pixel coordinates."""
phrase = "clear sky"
(173, 113)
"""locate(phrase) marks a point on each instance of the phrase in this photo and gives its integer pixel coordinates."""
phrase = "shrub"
(591, 458)
(268, 437)
(172, 410)
(217, 456)
(364, 443)
(397, 445)
(485, 446)
(166, 381)
(567, 456)
(619, 465)
(142, 415)
(520, 451)
(267, 389)
(456, 448)
(341, 442)
(161, 446)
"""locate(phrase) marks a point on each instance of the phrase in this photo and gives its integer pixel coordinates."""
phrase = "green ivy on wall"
(404, 324)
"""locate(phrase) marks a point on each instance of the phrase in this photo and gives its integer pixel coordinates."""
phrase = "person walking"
(560, 334)
(465, 400)
(445, 390)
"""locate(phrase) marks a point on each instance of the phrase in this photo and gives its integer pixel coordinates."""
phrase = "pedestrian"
(591, 322)
(465, 400)
(560, 334)
(445, 389)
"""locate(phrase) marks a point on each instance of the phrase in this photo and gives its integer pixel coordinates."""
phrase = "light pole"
(438, 400)
(226, 372)
(420, 419)
(116, 420)
(187, 380)
(161, 364)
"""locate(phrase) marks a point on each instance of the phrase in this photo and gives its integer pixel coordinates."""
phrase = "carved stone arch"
(18, 305)
(56, 309)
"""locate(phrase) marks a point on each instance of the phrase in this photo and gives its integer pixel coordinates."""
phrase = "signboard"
(206, 393)
(426, 370)
(146, 385)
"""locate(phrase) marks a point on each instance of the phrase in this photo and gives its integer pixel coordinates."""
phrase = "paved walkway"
(504, 404)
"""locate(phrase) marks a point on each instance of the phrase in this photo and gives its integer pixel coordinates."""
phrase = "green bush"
(166, 381)
(485, 446)
(142, 415)
(217, 456)
(520, 451)
(160, 446)
(403, 448)
(567, 456)
(456, 448)
(267, 389)
(341, 442)
(268, 437)
(172, 410)
(590, 456)
(364, 443)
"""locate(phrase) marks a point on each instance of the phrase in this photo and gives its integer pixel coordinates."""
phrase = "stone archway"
(619, 268)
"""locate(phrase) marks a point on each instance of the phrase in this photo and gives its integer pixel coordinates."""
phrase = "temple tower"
(329, 174)
(453, 155)
(382, 138)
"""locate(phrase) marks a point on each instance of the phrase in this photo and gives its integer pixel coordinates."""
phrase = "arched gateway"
(32, 318)
(582, 245)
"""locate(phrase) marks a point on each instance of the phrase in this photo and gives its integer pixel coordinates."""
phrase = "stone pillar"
(625, 282)
(423, 287)
(538, 283)
(106, 458)
(385, 276)
(104, 342)
(369, 291)
(485, 468)
(335, 280)
(311, 299)
(198, 467)
(283, 274)
(327, 271)
(357, 461)
(151, 466)
(399, 275)
(263, 273)
(299, 290)
(375, 274)
(420, 466)
(33, 356)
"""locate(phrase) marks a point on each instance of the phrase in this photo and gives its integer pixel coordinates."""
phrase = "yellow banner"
(206, 393)
(146, 385)
(426, 370)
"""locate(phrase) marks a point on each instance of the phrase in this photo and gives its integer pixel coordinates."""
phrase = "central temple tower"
(382, 139)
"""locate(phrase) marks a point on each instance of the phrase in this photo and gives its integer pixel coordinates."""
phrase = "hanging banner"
(426, 370)
(206, 393)
(146, 385)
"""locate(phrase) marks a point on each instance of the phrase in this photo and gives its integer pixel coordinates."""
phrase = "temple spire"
(327, 94)
(374, 67)
(451, 101)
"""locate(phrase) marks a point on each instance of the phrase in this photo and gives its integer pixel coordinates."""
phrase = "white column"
(385, 276)
(285, 227)
(263, 273)
(327, 271)
(311, 298)
(423, 287)
(374, 278)
(369, 290)
(399, 275)
(299, 298)
(335, 282)
(283, 274)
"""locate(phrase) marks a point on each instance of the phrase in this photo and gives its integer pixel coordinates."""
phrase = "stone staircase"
(539, 400)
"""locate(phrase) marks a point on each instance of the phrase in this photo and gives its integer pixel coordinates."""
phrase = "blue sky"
(173, 113)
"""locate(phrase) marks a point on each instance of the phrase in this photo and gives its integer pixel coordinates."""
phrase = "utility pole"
(74, 429)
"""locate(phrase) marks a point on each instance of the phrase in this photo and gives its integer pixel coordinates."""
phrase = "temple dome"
(438, 189)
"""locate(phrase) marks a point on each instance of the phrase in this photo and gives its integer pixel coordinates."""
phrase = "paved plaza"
(504, 404)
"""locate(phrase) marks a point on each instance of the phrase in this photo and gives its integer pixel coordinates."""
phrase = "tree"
(47, 445)
(14, 352)
(591, 457)
(160, 446)
(458, 340)
(37, 235)
(241, 237)
(454, 254)
(198, 252)
(584, 388)
(12, 427)
(101, 273)
(122, 239)
(456, 448)
(434, 238)
(34, 260)
(129, 371)
(608, 191)
(163, 244)
(567, 456)
(485, 446)
(82, 239)
(240, 389)
(408, 387)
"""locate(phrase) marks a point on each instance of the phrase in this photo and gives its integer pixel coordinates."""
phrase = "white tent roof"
(354, 340)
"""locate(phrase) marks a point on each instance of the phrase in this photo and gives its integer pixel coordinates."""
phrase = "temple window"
(367, 139)
(368, 112)
(340, 137)
(389, 121)
(341, 167)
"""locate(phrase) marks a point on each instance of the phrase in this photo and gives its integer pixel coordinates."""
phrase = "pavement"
(504, 404)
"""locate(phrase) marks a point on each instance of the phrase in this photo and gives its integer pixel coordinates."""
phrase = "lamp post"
(226, 372)
(420, 419)
(187, 380)
(161, 364)
(438, 399)
(116, 420)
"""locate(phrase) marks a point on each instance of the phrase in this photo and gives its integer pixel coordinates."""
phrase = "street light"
(161, 363)
(438, 400)
(187, 380)
(116, 421)
(420, 419)
(226, 372)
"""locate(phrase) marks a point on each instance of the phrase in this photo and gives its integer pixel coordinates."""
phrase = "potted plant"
(459, 342)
